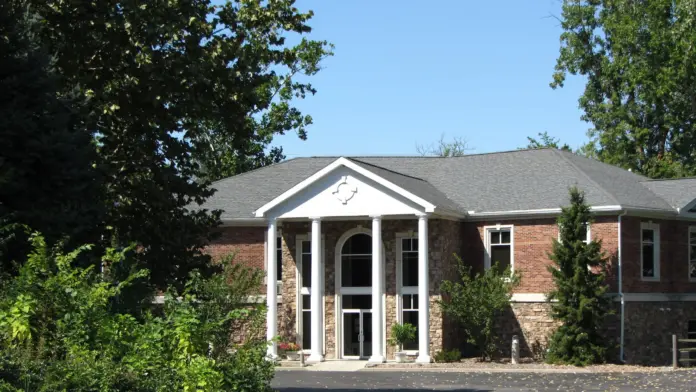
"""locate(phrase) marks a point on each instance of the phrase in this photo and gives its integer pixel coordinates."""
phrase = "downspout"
(621, 294)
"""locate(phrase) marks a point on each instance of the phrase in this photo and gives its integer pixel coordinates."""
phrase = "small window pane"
(584, 233)
(692, 270)
(692, 237)
(410, 301)
(306, 270)
(359, 244)
(693, 252)
(505, 237)
(306, 330)
(501, 255)
(648, 235)
(411, 317)
(405, 244)
(648, 261)
(414, 244)
(306, 302)
(356, 271)
(306, 246)
(279, 243)
(495, 237)
(409, 270)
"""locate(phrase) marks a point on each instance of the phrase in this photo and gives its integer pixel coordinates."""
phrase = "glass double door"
(357, 333)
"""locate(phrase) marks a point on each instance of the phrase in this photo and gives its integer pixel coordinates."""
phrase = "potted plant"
(400, 335)
(291, 351)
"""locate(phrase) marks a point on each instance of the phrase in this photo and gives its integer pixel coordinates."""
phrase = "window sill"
(648, 279)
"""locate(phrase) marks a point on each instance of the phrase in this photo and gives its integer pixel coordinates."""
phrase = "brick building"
(355, 245)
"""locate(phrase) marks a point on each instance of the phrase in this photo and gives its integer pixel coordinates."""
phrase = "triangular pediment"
(344, 189)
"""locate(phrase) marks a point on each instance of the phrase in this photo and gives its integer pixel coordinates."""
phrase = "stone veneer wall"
(532, 323)
(649, 327)
(444, 241)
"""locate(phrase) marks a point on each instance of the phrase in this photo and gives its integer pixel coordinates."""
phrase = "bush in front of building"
(447, 356)
(578, 299)
(59, 330)
(475, 301)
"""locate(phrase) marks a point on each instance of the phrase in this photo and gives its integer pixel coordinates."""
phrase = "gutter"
(621, 294)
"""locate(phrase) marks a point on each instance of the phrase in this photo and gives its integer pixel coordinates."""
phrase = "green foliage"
(46, 176)
(59, 330)
(447, 356)
(402, 334)
(579, 294)
(178, 93)
(457, 147)
(476, 301)
(546, 141)
(639, 62)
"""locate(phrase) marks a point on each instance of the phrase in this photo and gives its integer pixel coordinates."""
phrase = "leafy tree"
(477, 300)
(580, 287)
(442, 148)
(164, 79)
(59, 330)
(46, 155)
(640, 64)
(546, 141)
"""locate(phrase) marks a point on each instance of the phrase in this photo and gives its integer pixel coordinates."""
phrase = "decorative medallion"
(344, 191)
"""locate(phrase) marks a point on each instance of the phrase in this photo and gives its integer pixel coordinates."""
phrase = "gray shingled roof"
(678, 193)
(494, 182)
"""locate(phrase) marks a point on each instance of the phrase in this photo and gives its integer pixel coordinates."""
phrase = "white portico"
(347, 190)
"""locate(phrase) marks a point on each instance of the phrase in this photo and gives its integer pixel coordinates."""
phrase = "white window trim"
(487, 237)
(692, 229)
(588, 239)
(400, 289)
(279, 277)
(300, 291)
(655, 227)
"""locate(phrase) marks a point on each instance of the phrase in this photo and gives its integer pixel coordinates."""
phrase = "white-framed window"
(650, 251)
(279, 259)
(588, 233)
(692, 253)
(407, 282)
(305, 284)
(499, 246)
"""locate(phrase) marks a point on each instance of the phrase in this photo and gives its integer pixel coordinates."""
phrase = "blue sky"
(405, 72)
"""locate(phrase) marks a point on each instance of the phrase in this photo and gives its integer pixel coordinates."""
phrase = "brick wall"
(532, 241)
(674, 256)
(245, 243)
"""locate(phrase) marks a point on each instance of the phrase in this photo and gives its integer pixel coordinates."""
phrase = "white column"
(317, 354)
(377, 290)
(423, 292)
(271, 290)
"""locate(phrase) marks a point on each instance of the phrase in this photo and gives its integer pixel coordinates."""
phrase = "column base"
(423, 359)
(377, 359)
(315, 358)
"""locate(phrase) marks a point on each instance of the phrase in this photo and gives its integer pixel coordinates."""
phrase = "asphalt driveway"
(302, 380)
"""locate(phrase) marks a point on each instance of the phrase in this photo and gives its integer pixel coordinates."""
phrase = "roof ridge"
(574, 166)
(668, 179)
(389, 170)
(432, 156)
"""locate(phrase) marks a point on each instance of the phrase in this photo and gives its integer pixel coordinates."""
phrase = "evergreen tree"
(580, 288)
(47, 181)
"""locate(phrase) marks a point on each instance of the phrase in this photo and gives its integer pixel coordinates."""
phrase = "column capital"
(376, 216)
(315, 218)
(273, 220)
(423, 215)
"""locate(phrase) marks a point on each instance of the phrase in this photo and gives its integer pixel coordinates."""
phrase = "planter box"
(401, 357)
(292, 355)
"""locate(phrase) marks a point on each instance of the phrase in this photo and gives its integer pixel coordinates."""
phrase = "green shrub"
(447, 356)
(476, 302)
(402, 334)
(58, 330)
(579, 300)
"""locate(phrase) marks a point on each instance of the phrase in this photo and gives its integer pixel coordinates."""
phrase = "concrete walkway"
(328, 366)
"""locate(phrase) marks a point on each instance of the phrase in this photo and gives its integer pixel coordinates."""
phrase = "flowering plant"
(289, 346)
